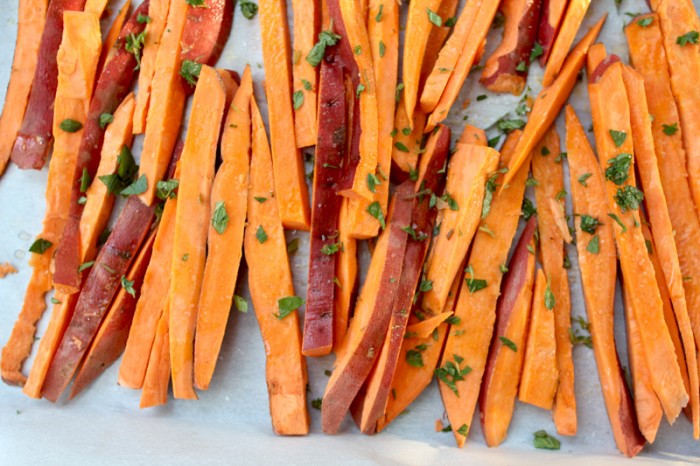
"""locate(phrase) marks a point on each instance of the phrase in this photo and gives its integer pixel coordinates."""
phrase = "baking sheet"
(230, 423)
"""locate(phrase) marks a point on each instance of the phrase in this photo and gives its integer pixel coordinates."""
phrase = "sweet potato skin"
(550, 20)
(112, 86)
(36, 133)
(100, 287)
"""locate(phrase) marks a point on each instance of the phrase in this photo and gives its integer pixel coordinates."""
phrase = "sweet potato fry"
(266, 255)
(346, 272)
(30, 26)
(290, 182)
(112, 86)
(35, 136)
(437, 37)
(229, 194)
(113, 34)
(476, 312)
(575, 12)
(553, 12)
(158, 14)
(206, 32)
(550, 175)
(550, 101)
(192, 220)
(661, 227)
(408, 139)
(370, 323)
(110, 339)
(157, 377)
(76, 61)
(305, 82)
(499, 387)
(607, 93)
(459, 218)
(598, 272)
(506, 69)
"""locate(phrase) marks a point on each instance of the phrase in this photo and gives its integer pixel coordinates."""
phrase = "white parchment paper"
(230, 423)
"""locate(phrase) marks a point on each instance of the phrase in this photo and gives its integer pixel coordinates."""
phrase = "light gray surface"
(230, 423)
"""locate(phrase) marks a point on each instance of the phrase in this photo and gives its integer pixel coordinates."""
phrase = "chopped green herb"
(357, 50)
(670, 130)
(105, 119)
(325, 39)
(134, 45)
(434, 17)
(85, 181)
(330, 249)
(143, 19)
(522, 67)
(382, 49)
(545, 151)
(545, 441)
(248, 8)
(241, 304)
(220, 218)
(619, 168)
(474, 284)
(399, 88)
(589, 224)
(293, 246)
(260, 199)
(451, 21)
(287, 305)
(628, 198)
(55, 301)
(378, 17)
(372, 182)
(481, 97)
(375, 210)
(463, 430)
(137, 187)
(260, 234)
(618, 221)
(128, 286)
(688, 38)
(582, 179)
(40, 246)
(451, 373)
(360, 90)
(508, 343)
(70, 126)
(618, 137)
(166, 189)
(507, 125)
(537, 51)
(298, 99)
(317, 403)
(85, 266)
(549, 301)
(528, 209)
(645, 22)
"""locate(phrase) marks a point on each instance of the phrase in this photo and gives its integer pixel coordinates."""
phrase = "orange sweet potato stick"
(30, 25)
(548, 193)
(157, 377)
(408, 139)
(661, 226)
(646, 403)
(597, 262)
(152, 304)
(499, 387)
(96, 7)
(448, 56)
(275, 306)
(346, 272)
(677, 19)
(290, 180)
(77, 61)
(110, 339)
(166, 104)
(575, 12)
(607, 91)
(422, 17)
(552, 14)
(229, 202)
(113, 34)
(467, 57)
(473, 135)
(460, 214)
(550, 101)
(540, 376)
(191, 225)
(158, 14)
(306, 27)
(437, 37)
(506, 69)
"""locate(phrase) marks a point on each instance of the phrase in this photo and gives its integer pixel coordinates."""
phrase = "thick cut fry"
(646, 403)
(229, 194)
(477, 311)
(166, 104)
(661, 226)
(437, 37)
(538, 382)
(289, 176)
(471, 50)
(325, 245)
(112, 87)
(35, 136)
(306, 27)
(191, 225)
(678, 18)
(407, 141)
(346, 272)
(158, 14)
(459, 218)
(76, 61)
(550, 101)
(378, 383)
(157, 377)
(270, 280)
(106, 276)
(506, 69)
(206, 33)
(30, 25)
(473, 135)
(598, 272)
(575, 12)
(606, 94)
(419, 25)
(550, 175)
(370, 322)
(110, 339)
(152, 304)
(552, 13)
(503, 367)
(448, 56)
(113, 34)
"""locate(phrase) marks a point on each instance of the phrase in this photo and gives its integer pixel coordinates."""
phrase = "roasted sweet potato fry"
(553, 12)
(307, 21)
(575, 12)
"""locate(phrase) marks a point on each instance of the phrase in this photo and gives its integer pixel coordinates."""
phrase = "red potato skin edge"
(331, 149)
(339, 397)
(513, 281)
(34, 139)
(628, 417)
(98, 292)
(422, 221)
(546, 34)
(116, 334)
(602, 68)
(206, 32)
(527, 34)
(112, 86)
